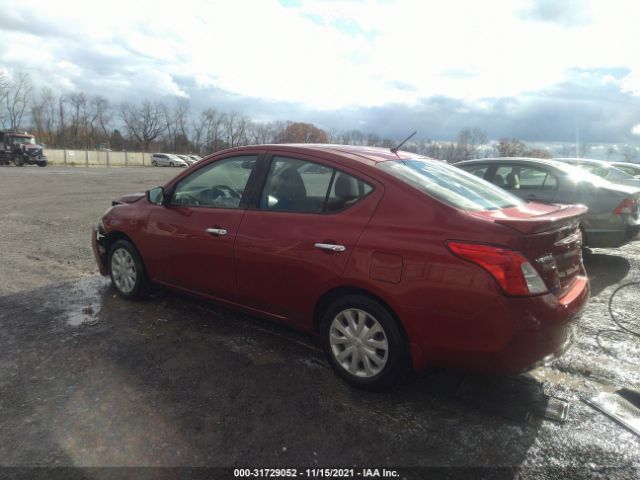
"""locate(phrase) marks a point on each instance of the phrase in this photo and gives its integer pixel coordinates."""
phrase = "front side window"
(219, 184)
(294, 185)
(449, 184)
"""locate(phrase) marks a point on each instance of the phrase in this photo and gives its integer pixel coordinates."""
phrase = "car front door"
(191, 238)
(300, 235)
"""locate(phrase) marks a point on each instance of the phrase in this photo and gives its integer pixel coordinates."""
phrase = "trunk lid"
(552, 239)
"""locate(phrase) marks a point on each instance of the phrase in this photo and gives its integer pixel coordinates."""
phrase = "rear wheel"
(18, 160)
(127, 271)
(364, 343)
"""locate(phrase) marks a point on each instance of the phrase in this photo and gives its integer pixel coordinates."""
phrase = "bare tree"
(260, 133)
(208, 131)
(100, 117)
(235, 128)
(143, 122)
(629, 153)
(78, 127)
(583, 150)
(181, 121)
(4, 91)
(510, 147)
(16, 99)
(468, 143)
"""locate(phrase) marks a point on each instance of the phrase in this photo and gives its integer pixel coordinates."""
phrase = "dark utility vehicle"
(21, 148)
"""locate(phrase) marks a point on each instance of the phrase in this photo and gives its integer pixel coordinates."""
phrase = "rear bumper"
(98, 251)
(612, 238)
(531, 330)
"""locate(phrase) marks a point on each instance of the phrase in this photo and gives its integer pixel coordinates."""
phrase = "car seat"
(513, 181)
(289, 190)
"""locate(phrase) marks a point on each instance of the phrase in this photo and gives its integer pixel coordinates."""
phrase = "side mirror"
(156, 195)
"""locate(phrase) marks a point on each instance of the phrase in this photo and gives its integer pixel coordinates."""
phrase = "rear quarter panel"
(439, 297)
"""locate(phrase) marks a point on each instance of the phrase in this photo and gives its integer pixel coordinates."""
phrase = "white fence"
(97, 158)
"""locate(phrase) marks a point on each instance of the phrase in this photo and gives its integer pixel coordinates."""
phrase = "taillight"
(627, 206)
(512, 271)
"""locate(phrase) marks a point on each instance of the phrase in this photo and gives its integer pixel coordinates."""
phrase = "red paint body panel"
(453, 311)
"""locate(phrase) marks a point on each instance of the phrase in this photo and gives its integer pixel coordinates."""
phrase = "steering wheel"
(188, 199)
(222, 190)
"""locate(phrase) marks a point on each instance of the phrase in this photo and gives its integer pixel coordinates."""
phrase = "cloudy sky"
(539, 70)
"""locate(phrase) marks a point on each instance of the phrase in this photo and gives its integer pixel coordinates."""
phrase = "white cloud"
(636, 129)
(324, 55)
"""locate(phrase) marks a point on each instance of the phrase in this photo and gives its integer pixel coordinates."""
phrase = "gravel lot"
(88, 379)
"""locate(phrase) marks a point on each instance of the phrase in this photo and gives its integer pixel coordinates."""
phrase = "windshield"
(450, 184)
(17, 139)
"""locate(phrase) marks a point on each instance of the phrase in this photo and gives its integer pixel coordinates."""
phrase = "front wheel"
(18, 160)
(42, 164)
(364, 343)
(127, 271)
(171, 164)
(154, 163)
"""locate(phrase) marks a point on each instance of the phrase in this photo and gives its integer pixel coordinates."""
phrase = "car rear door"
(531, 182)
(301, 233)
(190, 240)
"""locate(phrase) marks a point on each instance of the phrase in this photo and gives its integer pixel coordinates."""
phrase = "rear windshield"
(450, 184)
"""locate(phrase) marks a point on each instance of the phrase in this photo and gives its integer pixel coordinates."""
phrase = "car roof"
(583, 160)
(629, 164)
(365, 155)
(542, 161)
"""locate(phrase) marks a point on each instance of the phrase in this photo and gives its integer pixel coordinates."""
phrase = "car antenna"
(396, 148)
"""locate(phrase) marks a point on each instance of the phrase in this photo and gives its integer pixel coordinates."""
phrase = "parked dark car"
(394, 260)
(613, 218)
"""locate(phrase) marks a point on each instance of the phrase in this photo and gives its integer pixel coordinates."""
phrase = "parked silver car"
(613, 218)
(630, 168)
(167, 160)
(604, 170)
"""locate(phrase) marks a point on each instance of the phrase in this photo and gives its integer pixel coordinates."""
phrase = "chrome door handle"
(330, 247)
(216, 231)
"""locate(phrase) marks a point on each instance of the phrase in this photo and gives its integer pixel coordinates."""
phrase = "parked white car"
(167, 160)
(187, 159)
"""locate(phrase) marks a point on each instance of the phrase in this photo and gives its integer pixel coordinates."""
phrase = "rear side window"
(295, 185)
(518, 177)
(451, 185)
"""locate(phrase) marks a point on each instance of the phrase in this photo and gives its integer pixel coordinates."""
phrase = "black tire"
(397, 356)
(18, 160)
(154, 163)
(141, 285)
(171, 164)
(42, 164)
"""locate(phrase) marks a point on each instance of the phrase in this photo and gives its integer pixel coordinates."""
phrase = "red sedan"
(395, 260)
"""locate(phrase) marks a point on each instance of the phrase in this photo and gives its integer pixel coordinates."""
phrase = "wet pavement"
(89, 379)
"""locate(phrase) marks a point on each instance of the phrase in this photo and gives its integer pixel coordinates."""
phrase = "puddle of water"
(82, 302)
